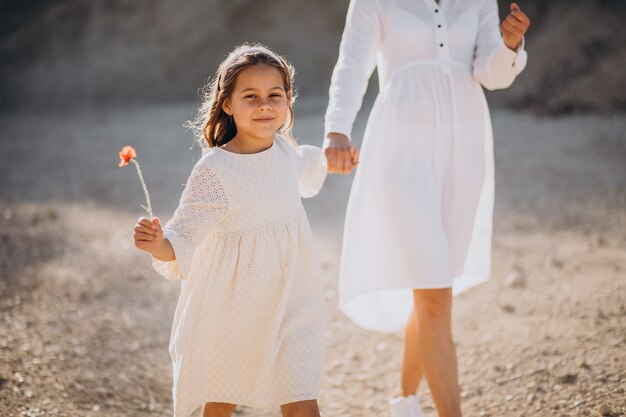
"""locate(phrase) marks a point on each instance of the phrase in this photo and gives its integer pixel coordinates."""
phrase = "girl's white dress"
(420, 208)
(249, 324)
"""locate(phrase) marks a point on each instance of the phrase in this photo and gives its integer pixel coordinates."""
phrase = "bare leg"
(218, 410)
(435, 348)
(412, 371)
(301, 409)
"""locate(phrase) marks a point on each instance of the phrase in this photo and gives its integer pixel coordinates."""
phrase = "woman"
(418, 223)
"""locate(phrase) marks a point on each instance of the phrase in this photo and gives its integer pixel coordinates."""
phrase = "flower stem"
(145, 189)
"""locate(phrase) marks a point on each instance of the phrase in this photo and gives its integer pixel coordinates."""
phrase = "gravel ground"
(85, 321)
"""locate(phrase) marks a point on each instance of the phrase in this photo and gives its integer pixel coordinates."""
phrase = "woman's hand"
(342, 157)
(149, 235)
(514, 27)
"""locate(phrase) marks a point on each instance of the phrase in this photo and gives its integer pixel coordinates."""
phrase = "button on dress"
(249, 324)
(421, 204)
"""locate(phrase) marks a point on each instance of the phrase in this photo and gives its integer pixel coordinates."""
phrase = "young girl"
(249, 324)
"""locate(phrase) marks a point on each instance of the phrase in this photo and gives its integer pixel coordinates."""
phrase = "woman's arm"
(356, 62)
(499, 55)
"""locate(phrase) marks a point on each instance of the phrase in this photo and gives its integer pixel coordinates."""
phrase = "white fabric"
(405, 407)
(420, 208)
(249, 324)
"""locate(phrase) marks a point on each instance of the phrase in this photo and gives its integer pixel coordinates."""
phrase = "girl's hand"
(342, 157)
(148, 235)
(514, 27)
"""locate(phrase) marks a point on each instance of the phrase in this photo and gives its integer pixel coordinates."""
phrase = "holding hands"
(514, 27)
(342, 157)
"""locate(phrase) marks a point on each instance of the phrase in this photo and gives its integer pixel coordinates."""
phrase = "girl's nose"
(265, 105)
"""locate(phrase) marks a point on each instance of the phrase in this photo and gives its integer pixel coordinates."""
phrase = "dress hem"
(389, 314)
(251, 404)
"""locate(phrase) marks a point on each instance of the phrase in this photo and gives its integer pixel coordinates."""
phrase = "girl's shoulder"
(210, 168)
(281, 140)
(208, 153)
(300, 153)
(288, 145)
(210, 158)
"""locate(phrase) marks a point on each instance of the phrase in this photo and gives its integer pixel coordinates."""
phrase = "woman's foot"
(405, 406)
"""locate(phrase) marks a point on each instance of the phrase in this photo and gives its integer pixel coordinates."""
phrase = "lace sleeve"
(202, 206)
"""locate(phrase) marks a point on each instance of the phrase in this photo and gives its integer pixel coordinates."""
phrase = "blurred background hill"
(73, 53)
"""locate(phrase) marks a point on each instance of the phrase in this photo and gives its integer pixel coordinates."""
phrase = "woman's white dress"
(249, 324)
(421, 205)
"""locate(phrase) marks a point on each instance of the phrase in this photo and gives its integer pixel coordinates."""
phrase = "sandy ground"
(85, 320)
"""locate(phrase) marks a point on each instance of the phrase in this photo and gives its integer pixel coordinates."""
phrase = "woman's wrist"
(509, 45)
(338, 139)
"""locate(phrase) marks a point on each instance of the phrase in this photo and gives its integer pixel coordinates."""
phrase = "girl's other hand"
(148, 235)
(514, 27)
(342, 157)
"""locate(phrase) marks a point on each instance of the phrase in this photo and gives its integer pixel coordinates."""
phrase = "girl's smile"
(264, 119)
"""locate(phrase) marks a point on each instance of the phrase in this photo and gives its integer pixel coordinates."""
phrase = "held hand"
(342, 157)
(514, 27)
(148, 235)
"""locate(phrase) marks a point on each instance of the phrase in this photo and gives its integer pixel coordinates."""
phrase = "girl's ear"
(226, 107)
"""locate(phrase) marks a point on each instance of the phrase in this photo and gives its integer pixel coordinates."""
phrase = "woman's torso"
(425, 61)
(422, 32)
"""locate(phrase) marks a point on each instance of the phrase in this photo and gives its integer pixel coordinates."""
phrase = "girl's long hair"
(212, 126)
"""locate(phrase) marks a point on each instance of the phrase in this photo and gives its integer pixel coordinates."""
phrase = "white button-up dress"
(421, 205)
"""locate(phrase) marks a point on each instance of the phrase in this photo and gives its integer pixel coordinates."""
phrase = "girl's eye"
(254, 96)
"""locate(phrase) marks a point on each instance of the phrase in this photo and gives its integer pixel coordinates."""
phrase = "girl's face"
(259, 102)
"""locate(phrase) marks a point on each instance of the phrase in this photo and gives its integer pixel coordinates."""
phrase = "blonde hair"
(212, 126)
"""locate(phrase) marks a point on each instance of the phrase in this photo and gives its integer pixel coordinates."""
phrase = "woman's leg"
(412, 371)
(435, 348)
(218, 410)
(301, 409)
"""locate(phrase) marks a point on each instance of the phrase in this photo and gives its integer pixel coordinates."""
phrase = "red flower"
(126, 154)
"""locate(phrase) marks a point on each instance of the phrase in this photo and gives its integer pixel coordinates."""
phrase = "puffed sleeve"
(202, 205)
(357, 59)
(312, 169)
(495, 66)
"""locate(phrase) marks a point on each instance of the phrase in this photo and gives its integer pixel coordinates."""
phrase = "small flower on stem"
(128, 154)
